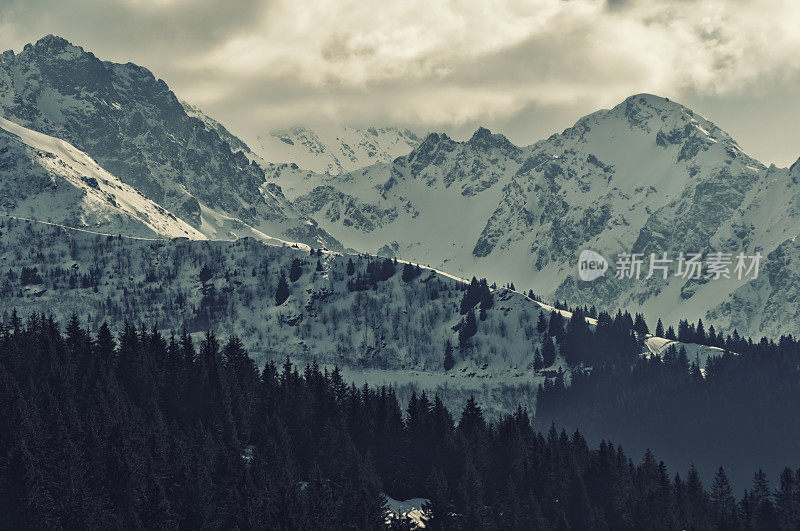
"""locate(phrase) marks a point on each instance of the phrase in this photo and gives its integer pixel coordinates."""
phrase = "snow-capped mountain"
(134, 127)
(334, 150)
(649, 175)
(426, 205)
(47, 179)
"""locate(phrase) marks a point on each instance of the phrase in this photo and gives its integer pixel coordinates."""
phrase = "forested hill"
(387, 323)
(147, 431)
(379, 320)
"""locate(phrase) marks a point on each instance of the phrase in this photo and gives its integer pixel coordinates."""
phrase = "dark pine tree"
(541, 323)
(296, 270)
(548, 352)
(448, 356)
(659, 329)
(282, 292)
(468, 328)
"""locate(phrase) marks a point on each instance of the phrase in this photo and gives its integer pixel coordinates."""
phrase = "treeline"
(611, 341)
(687, 332)
(152, 432)
(736, 409)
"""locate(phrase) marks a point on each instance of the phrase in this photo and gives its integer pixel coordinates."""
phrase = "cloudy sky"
(526, 68)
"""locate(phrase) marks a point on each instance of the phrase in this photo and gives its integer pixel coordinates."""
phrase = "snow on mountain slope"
(135, 127)
(428, 206)
(48, 179)
(649, 175)
(394, 332)
(391, 331)
(334, 150)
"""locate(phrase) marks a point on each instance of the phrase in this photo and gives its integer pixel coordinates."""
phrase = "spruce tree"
(786, 501)
(576, 339)
(556, 326)
(438, 507)
(541, 323)
(700, 332)
(448, 356)
(468, 328)
(409, 273)
(296, 270)
(282, 292)
(578, 511)
(723, 503)
(762, 508)
(548, 352)
(640, 326)
(538, 361)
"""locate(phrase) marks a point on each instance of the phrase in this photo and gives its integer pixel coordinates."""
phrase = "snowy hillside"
(648, 176)
(381, 329)
(47, 179)
(394, 332)
(134, 127)
(332, 149)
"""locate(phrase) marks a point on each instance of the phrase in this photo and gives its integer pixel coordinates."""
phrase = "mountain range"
(647, 176)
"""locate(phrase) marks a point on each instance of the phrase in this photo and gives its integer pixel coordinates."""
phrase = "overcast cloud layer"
(526, 68)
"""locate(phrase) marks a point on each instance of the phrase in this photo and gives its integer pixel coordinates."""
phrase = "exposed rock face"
(648, 176)
(134, 127)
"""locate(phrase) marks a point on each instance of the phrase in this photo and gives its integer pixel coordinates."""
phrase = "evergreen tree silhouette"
(282, 292)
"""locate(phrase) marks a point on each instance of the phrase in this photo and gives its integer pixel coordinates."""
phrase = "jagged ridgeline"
(134, 126)
(380, 320)
(647, 176)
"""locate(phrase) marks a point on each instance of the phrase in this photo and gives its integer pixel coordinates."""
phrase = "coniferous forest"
(736, 408)
(147, 431)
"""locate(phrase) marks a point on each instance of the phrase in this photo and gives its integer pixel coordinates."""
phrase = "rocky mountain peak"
(485, 139)
(432, 144)
(435, 138)
(135, 127)
(652, 101)
(53, 47)
(52, 42)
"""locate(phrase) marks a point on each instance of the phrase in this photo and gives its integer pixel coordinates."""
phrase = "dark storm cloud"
(156, 33)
